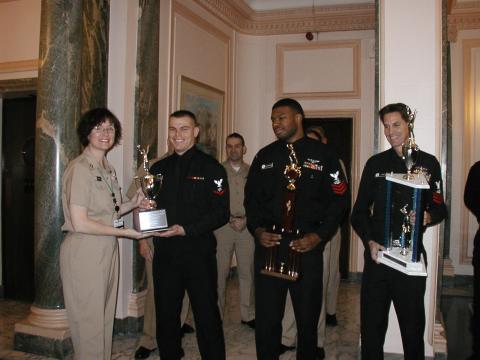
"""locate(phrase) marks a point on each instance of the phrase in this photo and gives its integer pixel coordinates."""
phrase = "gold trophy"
(153, 219)
(280, 260)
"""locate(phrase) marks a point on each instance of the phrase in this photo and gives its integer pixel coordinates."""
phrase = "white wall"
(465, 151)
(195, 44)
(121, 98)
(255, 85)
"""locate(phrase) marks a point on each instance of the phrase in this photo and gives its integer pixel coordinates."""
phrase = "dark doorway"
(18, 152)
(339, 133)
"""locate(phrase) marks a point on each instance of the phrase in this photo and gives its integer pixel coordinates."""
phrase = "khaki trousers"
(148, 339)
(89, 271)
(228, 241)
(331, 281)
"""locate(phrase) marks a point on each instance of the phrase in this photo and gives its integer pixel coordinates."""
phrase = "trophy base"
(146, 221)
(403, 263)
(279, 275)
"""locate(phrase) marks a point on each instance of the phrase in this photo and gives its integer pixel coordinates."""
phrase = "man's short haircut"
(292, 104)
(316, 130)
(95, 117)
(405, 112)
(185, 113)
(236, 136)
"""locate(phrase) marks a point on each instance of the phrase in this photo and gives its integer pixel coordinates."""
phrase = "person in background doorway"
(234, 236)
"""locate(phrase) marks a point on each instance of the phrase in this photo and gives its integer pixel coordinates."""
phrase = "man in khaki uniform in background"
(331, 280)
(148, 342)
(234, 235)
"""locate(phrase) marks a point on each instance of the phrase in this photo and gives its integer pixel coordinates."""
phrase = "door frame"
(9, 89)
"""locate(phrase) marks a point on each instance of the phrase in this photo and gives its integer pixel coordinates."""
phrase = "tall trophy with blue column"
(404, 208)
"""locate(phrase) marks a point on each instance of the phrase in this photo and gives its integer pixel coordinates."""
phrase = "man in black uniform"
(381, 284)
(196, 199)
(472, 201)
(321, 196)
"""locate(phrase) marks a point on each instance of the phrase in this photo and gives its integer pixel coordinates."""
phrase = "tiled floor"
(342, 340)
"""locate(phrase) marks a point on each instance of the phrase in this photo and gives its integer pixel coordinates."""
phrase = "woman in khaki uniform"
(89, 253)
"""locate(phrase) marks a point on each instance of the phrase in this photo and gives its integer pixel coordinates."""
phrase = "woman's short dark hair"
(95, 117)
(405, 112)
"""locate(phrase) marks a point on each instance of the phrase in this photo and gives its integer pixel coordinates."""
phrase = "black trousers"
(476, 297)
(270, 298)
(382, 285)
(197, 274)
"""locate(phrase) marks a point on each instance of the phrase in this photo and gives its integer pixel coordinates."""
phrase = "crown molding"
(462, 16)
(238, 15)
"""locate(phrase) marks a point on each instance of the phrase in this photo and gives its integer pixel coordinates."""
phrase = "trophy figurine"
(406, 230)
(410, 148)
(149, 220)
(281, 260)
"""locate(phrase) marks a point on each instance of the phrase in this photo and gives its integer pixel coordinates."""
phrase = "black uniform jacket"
(368, 215)
(195, 195)
(472, 190)
(321, 195)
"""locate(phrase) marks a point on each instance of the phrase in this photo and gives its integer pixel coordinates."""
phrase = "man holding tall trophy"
(295, 197)
(383, 284)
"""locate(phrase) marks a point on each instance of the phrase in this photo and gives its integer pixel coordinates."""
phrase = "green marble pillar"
(146, 102)
(45, 331)
(94, 54)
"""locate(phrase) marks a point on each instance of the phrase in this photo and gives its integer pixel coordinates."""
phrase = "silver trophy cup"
(153, 219)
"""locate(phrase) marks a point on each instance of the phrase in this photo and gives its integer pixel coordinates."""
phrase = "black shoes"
(331, 320)
(285, 348)
(320, 353)
(143, 353)
(250, 324)
(187, 329)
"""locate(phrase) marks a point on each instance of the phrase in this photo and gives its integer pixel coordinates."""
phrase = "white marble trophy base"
(402, 263)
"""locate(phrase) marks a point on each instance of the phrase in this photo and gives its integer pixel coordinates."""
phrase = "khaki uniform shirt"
(85, 183)
(236, 182)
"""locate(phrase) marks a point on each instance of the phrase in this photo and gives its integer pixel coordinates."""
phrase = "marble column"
(94, 54)
(146, 102)
(45, 330)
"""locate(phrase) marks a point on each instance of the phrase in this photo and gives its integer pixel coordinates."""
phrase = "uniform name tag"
(118, 223)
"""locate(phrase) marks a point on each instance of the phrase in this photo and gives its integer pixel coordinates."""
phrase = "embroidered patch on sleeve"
(437, 198)
(338, 186)
(219, 191)
(437, 194)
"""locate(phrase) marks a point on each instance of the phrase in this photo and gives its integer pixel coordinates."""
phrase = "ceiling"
(265, 5)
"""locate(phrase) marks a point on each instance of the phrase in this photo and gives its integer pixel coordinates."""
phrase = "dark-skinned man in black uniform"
(320, 200)
(196, 199)
(472, 201)
(382, 285)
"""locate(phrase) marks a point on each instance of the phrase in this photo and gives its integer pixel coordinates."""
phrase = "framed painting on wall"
(207, 103)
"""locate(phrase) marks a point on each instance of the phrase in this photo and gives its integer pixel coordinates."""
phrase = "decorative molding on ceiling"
(462, 16)
(238, 15)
